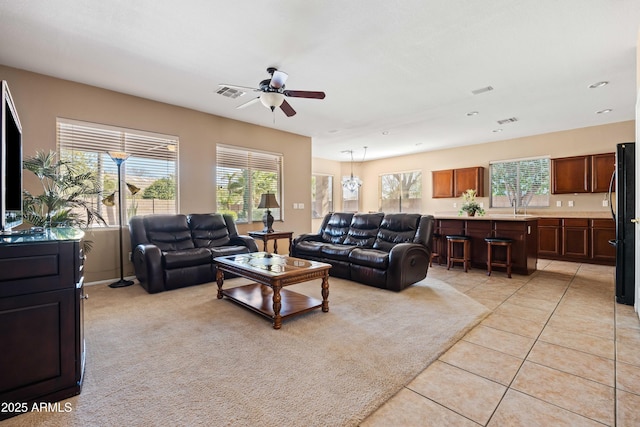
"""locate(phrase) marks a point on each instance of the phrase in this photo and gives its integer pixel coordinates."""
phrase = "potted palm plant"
(67, 194)
(469, 204)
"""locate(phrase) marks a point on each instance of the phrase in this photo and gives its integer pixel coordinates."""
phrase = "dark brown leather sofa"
(174, 251)
(389, 251)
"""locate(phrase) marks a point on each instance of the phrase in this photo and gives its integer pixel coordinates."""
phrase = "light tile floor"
(555, 351)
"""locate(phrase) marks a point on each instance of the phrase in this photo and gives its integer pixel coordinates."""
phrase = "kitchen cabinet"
(603, 166)
(571, 175)
(442, 183)
(468, 178)
(41, 333)
(577, 239)
(523, 231)
(453, 182)
(549, 237)
(582, 174)
(603, 230)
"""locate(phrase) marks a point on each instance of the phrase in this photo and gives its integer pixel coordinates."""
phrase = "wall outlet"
(455, 205)
(300, 205)
(570, 203)
(605, 203)
(559, 203)
(295, 206)
(130, 256)
(482, 205)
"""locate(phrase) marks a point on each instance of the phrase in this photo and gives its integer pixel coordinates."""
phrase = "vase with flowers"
(470, 205)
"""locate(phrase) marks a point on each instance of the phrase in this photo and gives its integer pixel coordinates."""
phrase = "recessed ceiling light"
(608, 110)
(598, 84)
(496, 130)
(385, 132)
(472, 113)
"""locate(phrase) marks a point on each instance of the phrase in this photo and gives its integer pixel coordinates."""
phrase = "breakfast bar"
(522, 229)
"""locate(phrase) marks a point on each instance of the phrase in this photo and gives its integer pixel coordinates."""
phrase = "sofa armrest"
(408, 264)
(242, 240)
(147, 261)
(307, 237)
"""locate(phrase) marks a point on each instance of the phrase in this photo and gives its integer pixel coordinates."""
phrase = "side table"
(274, 235)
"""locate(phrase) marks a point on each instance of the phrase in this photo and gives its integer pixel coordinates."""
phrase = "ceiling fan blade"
(304, 94)
(245, 88)
(287, 109)
(278, 79)
(250, 102)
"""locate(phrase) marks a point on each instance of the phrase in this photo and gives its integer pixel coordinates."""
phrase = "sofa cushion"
(185, 258)
(396, 228)
(168, 232)
(369, 258)
(208, 230)
(336, 252)
(363, 229)
(337, 227)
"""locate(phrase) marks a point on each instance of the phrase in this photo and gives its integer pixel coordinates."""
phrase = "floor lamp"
(119, 157)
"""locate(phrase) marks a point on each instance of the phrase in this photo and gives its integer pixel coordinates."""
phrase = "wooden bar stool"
(436, 248)
(466, 251)
(498, 241)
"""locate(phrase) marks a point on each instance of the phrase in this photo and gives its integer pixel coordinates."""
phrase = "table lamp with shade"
(268, 201)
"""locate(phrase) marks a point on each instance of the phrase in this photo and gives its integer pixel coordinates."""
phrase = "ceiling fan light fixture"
(272, 100)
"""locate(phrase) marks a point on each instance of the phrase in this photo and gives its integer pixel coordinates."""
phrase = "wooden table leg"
(219, 281)
(264, 244)
(277, 319)
(275, 246)
(325, 293)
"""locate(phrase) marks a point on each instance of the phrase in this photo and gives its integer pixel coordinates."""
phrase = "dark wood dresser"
(41, 319)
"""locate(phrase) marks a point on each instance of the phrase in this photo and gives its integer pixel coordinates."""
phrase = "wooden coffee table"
(272, 272)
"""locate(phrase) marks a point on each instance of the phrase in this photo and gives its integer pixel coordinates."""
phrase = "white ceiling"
(406, 68)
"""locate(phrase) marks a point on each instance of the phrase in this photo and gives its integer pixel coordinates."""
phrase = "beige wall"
(40, 100)
(591, 140)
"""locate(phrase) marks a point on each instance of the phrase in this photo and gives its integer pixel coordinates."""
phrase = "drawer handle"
(635, 220)
(85, 296)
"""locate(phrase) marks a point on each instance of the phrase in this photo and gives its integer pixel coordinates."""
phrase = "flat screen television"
(10, 164)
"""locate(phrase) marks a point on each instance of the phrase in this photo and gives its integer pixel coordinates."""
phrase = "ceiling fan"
(274, 92)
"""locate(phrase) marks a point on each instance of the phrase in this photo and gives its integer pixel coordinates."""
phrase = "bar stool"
(466, 251)
(436, 248)
(498, 241)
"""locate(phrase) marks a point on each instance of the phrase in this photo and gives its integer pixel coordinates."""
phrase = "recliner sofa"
(174, 251)
(388, 251)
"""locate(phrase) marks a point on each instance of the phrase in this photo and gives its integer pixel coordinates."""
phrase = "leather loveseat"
(389, 251)
(174, 251)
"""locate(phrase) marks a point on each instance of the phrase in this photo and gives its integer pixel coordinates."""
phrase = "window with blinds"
(321, 195)
(401, 192)
(242, 176)
(520, 183)
(149, 175)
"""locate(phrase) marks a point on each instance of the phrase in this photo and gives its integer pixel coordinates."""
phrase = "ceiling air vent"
(509, 120)
(482, 90)
(230, 92)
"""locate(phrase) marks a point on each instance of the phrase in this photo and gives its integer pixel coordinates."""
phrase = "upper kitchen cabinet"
(442, 183)
(453, 182)
(468, 178)
(582, 174)
(603, 166)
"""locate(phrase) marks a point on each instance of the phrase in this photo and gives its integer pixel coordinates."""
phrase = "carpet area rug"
(185, 358)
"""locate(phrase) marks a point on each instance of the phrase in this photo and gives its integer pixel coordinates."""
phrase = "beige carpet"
(185, 358)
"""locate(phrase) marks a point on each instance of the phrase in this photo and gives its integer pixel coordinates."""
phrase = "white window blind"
(321, 195)
(242, 176)
(401, 192)
(520, 183)
(152, 167)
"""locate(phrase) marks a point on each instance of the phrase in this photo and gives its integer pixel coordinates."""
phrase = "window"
(150, 172)
(401, 192)
(242, 176)
(321, 195)
(350, 198)
(520, 183)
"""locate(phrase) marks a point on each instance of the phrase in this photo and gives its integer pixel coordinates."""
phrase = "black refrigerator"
(625, 188)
